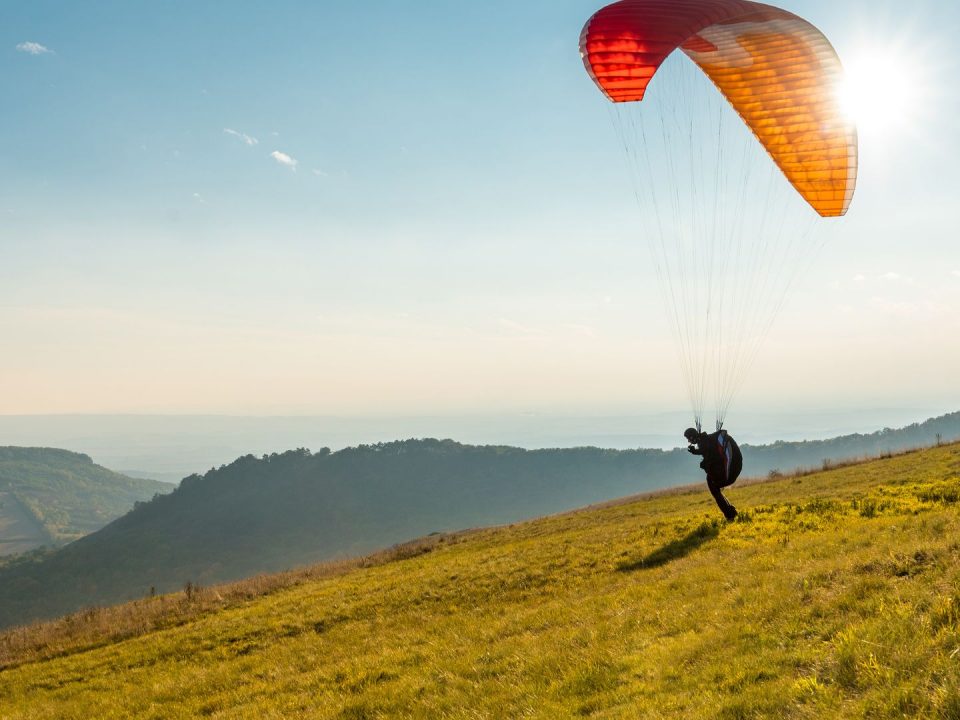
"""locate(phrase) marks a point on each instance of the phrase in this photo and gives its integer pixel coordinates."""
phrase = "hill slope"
(272, 513)
(836, 595)
(50, 496)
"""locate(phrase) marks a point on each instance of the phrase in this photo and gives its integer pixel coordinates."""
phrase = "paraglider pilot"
(722, 463)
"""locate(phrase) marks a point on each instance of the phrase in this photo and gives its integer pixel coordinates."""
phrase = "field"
(19, 529)
(835, 595)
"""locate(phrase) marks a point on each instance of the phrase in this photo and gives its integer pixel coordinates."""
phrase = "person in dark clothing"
(722, 462)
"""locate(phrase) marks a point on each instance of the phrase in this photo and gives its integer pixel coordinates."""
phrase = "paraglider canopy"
(727, 236)
(779, 72)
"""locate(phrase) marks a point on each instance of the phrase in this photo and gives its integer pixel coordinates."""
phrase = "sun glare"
(881, 91)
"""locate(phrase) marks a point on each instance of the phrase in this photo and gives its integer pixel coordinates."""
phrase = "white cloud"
(284, 159)
(32, 48)
(249, 140)
(895, 277)
(199, 198)
(320, 173)
(582, 330)
(513, 327)
(906, 309)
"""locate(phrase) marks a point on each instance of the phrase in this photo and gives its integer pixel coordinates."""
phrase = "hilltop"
(272, 513)
(51, 497)
(835, 595)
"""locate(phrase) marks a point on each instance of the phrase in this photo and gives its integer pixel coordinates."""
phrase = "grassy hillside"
(835, 595)
(52, 496)
(272, 513)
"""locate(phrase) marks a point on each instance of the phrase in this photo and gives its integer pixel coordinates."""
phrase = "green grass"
(836, 595)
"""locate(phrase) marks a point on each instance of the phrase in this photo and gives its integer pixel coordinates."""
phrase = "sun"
(881, 91)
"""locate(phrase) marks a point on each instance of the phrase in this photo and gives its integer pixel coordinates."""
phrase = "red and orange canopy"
(777, 70)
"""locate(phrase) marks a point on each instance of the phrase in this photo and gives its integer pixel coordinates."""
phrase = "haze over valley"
(170, 447)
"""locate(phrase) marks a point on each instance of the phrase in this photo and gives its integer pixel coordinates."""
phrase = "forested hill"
(50, 496)
(788, 456)
(266, 514)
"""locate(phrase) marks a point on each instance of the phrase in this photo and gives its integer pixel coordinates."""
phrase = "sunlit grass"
(837, 594)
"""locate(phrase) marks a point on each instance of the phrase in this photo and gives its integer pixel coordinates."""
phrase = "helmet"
(691, 434)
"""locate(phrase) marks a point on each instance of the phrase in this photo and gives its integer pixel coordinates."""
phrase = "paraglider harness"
(725, 448)
(722, 460)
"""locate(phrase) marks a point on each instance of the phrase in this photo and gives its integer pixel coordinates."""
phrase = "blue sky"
(455, 235)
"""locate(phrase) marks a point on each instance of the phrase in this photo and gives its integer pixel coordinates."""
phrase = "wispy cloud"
(248, 139)
(284, 159)
(905, 309)
(895, 277)
(582, 330)
(516, 328)
(320, 173)
(34, 48)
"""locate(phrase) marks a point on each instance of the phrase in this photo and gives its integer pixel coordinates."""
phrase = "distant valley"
(170, 447)
(52, 497)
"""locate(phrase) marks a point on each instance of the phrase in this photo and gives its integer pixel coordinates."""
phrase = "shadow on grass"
(674, 550)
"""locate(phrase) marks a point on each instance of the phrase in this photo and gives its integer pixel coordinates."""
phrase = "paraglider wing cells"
(777, 71)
